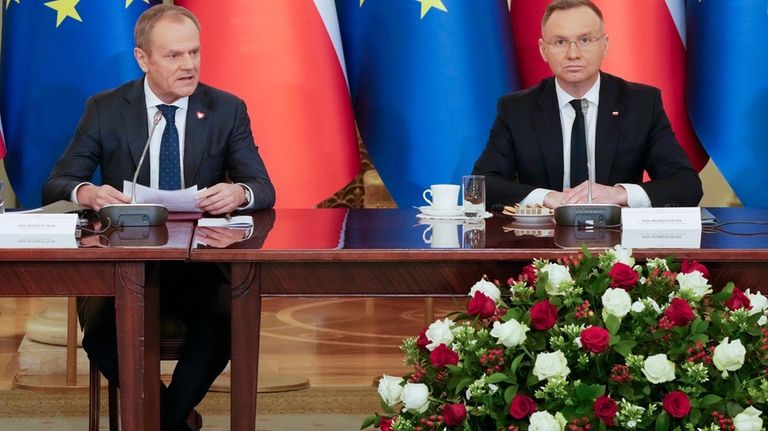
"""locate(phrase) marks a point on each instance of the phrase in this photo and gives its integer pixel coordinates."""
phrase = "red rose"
(622, 275)
(738, 300)
(522, 406)
(595, 339)
(422, 341)
(528, 274)
(679, 312)
(606, 409)
(386, 423)
(481, 305)
(442, 356)
(676, 403)
(689, 266)
(543, 315)
(454, 414)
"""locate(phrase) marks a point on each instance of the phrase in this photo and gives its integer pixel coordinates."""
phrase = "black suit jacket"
(525, 148)
(113, 131)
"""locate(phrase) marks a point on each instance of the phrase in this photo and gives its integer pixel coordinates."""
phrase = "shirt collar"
(592, 96)
(152, 99)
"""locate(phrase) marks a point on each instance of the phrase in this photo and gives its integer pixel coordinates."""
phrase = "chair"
(172, 342)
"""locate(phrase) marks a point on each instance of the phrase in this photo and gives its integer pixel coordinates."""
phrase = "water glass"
(2, 196)
(473, 195)
(473, 234)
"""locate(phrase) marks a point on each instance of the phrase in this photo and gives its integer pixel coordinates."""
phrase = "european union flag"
(55, 55)
(425, 76)
(727, 90)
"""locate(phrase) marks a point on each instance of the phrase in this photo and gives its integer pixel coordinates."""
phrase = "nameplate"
(38, 230)
(661, 227)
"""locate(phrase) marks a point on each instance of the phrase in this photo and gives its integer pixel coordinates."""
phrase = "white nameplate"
(38, 230)
(661, 227)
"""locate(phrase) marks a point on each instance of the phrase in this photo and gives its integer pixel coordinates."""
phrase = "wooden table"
(337, 252)
(114, 270)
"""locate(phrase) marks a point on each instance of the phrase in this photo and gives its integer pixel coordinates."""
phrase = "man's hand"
(601, 194)
(97, 196)
(222, 198)
(220, 237)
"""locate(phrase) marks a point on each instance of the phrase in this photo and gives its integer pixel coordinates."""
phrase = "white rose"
(551, 365)
(758, 302)
(694, 283)
(557, 276)
(390, 389)
(486, 288)
(510, 333)
(623, 255)
(544, 421)
(748, 420)
(659, 369)
(762, 320)
(440, 332)
(616, 302)
(729, 356)
(415, 397)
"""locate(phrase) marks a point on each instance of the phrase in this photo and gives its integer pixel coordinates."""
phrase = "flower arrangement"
(589, 343)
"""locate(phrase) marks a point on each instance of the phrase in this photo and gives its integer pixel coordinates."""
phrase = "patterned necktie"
(170, 168)
(578, 146)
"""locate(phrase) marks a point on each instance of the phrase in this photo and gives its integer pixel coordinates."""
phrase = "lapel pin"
(614, 113)
(201, 115)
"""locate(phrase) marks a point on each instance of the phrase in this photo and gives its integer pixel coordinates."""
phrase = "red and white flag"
(284, 58)
(646, 45)
(2, 140)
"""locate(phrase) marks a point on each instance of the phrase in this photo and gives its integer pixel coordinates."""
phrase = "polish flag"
(2, 140)
(646, 45)
(284, 58)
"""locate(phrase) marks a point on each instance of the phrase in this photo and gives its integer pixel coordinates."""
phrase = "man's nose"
(187, 62)
(573, 50)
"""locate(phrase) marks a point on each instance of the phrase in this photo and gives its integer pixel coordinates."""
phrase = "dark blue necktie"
(578, 146)
(170, 168)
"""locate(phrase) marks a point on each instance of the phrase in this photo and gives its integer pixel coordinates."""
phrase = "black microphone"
(134, 214)
(589, 214)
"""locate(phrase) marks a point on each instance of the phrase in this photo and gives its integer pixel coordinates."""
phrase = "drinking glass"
(473, 195)
(2, 196)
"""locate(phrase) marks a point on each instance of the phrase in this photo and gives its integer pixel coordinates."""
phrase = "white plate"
(440, 216)
(428, 210)
(533, 218)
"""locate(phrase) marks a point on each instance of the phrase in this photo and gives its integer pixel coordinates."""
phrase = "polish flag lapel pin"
(201, 115)
(614, 113)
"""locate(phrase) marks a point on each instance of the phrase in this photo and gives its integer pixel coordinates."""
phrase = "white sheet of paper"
(182, 201)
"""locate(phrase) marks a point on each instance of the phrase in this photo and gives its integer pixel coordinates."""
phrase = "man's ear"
(141, 58)
(541, 50)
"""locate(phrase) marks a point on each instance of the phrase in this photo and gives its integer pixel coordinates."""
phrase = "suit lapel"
(135, 127)
(198, 120)
(546, 121)
(610, 117)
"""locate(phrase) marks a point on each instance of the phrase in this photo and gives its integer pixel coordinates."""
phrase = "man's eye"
(585, 40)
(561, 42)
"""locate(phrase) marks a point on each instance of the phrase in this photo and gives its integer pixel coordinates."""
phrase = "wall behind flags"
(717, 192)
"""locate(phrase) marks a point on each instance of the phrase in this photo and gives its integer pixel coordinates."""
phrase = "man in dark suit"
(537, 153)
(203, 138)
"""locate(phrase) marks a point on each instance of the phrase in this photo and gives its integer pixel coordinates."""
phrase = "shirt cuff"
(636, 196)
(536, 197)
(73, 196)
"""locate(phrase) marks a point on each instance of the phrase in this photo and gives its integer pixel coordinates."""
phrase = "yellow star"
(426, 5)
(129, 2)
(64, 9)
(8, 3)
(361, 3)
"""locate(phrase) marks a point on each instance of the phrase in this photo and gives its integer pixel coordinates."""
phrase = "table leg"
(246, 321)
(136, 303)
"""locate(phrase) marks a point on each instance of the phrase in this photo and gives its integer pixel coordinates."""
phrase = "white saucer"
(441, 216)
(455, 212)
(533, 218)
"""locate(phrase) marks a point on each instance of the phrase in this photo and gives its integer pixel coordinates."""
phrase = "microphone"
(134, 214)
(589, 214)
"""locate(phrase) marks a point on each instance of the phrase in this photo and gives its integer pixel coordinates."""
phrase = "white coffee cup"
(445, 197)
(442, 234)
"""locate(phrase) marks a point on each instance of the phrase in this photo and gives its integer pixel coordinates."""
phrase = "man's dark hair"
(569, 4)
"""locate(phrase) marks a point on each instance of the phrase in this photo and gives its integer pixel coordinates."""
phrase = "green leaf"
(624, 348)
(516, 362)
(662, 422)
(496, 378)
(455, 369)
(369, 421)
(709, 400)
(588, 393)
(612, 323)
(509, 393)
(387, 409)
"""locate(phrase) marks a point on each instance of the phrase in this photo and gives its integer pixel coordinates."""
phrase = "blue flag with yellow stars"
(727, 88)
(56, 54)
(425, 76)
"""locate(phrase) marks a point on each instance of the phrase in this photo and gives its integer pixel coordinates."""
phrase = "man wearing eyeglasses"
(548, 140)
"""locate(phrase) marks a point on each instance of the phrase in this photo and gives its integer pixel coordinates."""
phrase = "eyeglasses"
(583, 43)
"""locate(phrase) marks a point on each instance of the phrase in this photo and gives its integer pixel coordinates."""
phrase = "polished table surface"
(112, 264)
(385, 252)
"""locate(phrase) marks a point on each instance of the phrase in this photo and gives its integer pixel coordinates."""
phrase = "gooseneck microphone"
(589, 214)
(134, 214)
